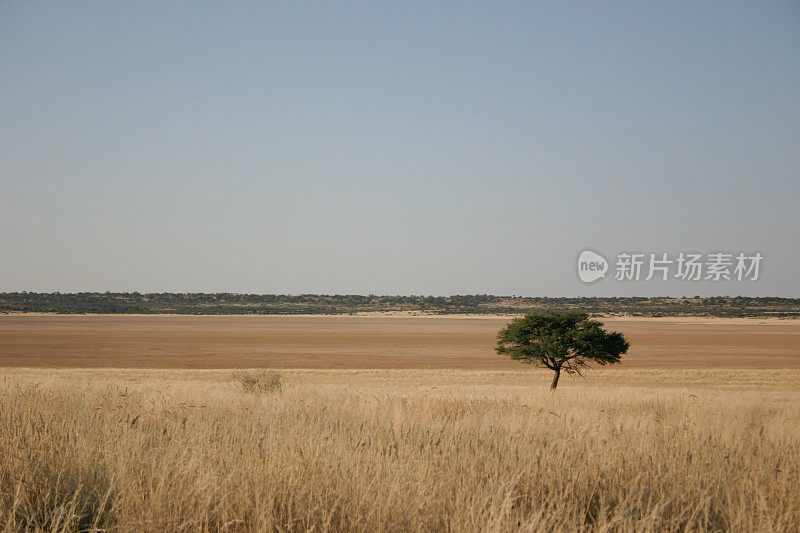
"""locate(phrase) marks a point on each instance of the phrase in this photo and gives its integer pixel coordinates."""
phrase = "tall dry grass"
(393, 452)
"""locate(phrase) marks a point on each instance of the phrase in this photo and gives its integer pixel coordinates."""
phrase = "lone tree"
(559, 341)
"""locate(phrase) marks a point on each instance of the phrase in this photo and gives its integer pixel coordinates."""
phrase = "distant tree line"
(279, 304)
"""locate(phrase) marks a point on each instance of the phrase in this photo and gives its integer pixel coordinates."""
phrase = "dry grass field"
(400, 450)
(463, 446)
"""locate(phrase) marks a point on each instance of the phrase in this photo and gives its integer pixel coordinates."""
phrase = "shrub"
(258, 380)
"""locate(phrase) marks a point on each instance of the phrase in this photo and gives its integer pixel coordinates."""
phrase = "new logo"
(591, 266)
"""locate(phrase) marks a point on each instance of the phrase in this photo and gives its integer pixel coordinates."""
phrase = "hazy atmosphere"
(408, 149)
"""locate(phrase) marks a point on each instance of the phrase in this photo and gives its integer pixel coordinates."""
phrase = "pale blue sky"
(404, 148)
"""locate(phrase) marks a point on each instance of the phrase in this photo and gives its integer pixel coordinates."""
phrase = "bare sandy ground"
(359, 342)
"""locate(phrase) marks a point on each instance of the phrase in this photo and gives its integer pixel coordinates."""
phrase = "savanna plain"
(392, 424)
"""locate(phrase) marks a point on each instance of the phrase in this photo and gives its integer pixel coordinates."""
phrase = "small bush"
(258, 380)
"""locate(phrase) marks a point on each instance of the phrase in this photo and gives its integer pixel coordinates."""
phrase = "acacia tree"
(566, 341)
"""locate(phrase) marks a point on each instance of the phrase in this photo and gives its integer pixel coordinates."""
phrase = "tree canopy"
(567, 341)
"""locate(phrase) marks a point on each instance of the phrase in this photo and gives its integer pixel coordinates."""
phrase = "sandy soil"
(114, 341)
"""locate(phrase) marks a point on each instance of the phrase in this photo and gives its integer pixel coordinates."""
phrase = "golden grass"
(400, 451)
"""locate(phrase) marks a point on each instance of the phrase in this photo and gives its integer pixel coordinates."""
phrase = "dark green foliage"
(278, 304)
(559, 341)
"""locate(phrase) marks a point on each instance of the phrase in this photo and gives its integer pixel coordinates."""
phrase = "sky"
(395, 147)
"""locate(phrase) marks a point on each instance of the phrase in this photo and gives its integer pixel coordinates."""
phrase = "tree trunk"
(555, 379)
